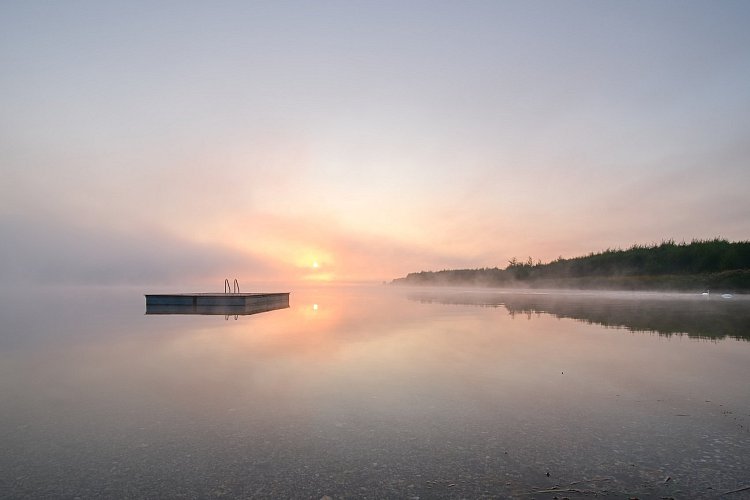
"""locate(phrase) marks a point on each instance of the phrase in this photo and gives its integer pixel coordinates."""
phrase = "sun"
(315, 266)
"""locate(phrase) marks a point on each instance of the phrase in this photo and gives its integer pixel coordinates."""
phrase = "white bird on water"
(707, 293)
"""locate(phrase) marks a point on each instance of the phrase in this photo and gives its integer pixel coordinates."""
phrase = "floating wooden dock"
(215, 303)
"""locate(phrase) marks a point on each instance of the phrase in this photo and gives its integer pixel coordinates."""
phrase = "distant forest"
(699, 265)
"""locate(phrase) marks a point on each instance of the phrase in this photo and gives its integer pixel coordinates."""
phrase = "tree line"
(700, 263)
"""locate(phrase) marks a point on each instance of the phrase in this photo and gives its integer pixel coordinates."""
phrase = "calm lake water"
(376, 392)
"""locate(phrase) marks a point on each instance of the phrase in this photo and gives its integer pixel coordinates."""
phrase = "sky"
(169, 143)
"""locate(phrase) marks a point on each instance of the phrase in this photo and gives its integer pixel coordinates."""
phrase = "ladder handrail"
(233, 288)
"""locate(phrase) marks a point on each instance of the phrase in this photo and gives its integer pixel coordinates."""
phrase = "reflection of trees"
(695, 316)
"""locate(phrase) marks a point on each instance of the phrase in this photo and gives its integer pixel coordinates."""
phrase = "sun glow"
(317, 268)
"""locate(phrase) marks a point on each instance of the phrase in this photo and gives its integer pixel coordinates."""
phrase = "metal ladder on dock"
(234, 288)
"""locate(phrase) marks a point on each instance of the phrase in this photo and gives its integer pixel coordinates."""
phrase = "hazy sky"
(181, 142)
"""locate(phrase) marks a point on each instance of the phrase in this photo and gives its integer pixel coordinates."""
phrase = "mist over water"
(374, 392)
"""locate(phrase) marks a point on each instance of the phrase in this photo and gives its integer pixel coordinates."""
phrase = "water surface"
(376, 392)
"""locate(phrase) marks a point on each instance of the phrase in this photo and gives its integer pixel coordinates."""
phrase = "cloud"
(51, 251)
